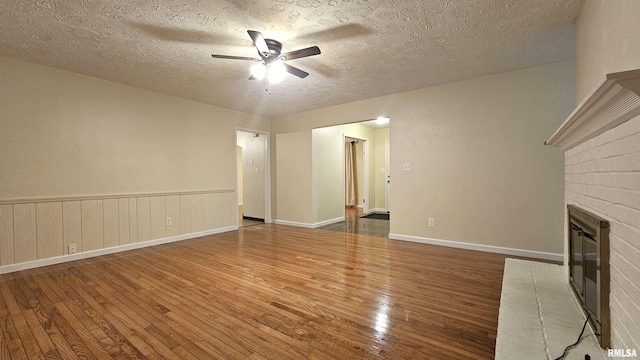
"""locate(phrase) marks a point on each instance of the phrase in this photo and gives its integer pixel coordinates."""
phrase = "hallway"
(355, 224)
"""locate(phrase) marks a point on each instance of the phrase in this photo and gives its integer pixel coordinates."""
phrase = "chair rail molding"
(614, 102)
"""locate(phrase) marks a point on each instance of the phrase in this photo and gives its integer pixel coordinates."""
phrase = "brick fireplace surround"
(601, 141)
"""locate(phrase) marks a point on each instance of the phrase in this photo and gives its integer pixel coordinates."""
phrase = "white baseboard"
(479, 247)
(294, 223)
(328, 222)
(116, 249)
(309, 225)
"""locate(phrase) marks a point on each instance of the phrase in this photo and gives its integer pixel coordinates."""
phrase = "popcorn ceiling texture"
(369, 48)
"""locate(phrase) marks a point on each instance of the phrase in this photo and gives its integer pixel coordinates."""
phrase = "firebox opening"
(589, 268)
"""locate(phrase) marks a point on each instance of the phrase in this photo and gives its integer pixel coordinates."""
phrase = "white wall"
(479, 164)
(603, 174)
(101, 164)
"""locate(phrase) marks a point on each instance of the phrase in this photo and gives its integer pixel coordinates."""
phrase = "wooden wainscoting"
(263, 292)
(36, 229)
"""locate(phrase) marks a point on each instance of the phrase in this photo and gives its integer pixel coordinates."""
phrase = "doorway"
(356, 177)
(329, 148)
(252, 177)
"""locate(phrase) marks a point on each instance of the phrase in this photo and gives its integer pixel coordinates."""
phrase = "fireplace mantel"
(615, 101)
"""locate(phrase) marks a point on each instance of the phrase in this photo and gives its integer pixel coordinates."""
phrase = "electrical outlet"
(73, 248)
(406, 166)
(432, 222)
(169, 222)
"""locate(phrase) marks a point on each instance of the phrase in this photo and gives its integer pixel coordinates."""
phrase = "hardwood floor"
(263, 292)
(352, 211)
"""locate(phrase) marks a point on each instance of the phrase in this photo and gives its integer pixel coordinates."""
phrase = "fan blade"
(310, 51)
(233, 57)
(258, 41)
(253, 77)
(295, 71)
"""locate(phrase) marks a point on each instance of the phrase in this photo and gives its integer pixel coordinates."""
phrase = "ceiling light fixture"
(271, 66)
(382, 120)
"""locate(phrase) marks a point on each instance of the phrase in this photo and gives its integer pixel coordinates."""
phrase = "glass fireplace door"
(590, 274)
(576, 261)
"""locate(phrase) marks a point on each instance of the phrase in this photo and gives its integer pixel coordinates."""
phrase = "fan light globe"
(258, 71)
(277, 72)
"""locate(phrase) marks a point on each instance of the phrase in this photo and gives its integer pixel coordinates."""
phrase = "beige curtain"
(351, 189)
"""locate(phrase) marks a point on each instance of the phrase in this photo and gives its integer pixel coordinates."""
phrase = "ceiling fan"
(272, 63)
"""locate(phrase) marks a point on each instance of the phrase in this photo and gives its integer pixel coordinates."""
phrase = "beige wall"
(66, 134)
(327, 174)
(294, 187)
(479, 164)
(603, 174)
(101, 164)
(608, 40)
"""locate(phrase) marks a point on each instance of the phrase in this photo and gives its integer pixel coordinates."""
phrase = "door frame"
(266, 172)
(387, 175)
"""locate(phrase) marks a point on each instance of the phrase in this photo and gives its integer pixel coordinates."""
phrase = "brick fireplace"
(601, 141)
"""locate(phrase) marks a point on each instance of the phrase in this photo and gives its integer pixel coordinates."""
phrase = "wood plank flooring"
(263, 292)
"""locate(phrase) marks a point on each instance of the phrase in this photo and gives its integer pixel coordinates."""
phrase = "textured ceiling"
(369, 47)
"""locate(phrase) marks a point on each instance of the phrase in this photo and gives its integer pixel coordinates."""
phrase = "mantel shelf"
(615, 101)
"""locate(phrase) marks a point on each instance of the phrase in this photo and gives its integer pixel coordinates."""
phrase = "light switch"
(256, 170)
(406, 166)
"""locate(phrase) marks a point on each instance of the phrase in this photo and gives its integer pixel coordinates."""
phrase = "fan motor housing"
(275, 48)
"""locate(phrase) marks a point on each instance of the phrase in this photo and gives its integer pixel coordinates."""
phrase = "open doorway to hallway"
(372, 139)
(364, 147)
(252, 166)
